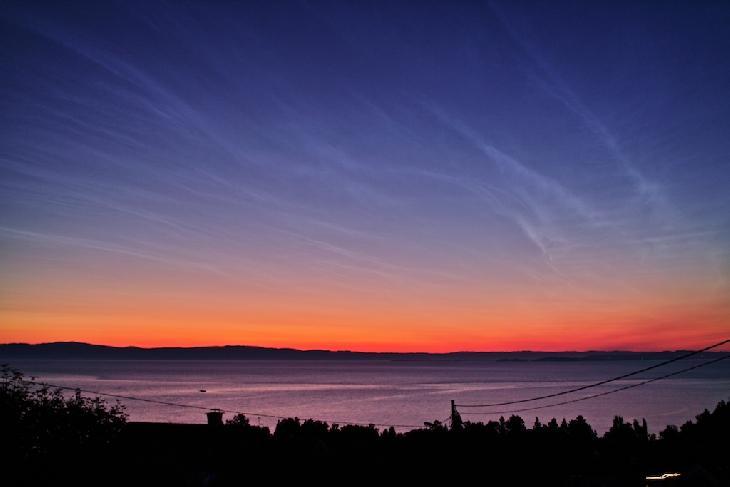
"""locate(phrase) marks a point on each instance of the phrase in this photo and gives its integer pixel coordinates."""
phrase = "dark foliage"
(56, 438)
(44, 432)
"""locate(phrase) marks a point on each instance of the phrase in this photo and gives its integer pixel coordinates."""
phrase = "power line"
(203, 408)
(606, 393)
(353, 423)
(596, 384)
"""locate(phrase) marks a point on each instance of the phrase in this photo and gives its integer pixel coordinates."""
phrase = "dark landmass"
(86, 351)
(51, 439)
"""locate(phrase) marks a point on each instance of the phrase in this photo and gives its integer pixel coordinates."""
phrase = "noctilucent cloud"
(366, 175)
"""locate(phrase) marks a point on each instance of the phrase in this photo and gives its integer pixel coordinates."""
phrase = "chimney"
(215, 417)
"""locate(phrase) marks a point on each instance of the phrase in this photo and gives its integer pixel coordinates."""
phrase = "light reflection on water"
(387, 392)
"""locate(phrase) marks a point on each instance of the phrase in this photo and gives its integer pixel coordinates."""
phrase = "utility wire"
(385, 425)
(581, 388)
(203, 408)
(606, 393)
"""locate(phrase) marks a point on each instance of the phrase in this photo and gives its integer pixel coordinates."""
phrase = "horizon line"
(384, 352)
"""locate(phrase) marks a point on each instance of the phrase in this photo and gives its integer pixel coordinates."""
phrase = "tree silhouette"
(43, 430)
(45, 436)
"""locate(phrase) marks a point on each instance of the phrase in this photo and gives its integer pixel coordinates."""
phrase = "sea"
(402, 393)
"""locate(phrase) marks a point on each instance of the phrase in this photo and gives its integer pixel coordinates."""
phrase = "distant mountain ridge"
(87, 351)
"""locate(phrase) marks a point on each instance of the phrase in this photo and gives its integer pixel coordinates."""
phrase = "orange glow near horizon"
(398, 319)
(345, 180)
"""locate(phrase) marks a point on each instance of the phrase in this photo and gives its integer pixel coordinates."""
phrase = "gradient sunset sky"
(397, 176)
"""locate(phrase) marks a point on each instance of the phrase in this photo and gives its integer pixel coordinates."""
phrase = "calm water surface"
(387, 392)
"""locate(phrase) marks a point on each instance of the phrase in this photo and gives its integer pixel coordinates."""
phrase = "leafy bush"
(42, 429)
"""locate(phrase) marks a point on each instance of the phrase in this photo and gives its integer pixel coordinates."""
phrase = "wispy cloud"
(517, 199)
(103, 246)
(553, 84)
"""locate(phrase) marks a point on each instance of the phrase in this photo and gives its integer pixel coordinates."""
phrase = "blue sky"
(478, 157)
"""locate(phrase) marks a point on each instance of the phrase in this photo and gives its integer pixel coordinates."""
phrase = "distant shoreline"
(86, 351)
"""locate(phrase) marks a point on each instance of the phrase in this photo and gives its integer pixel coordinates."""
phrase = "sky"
(404, 176)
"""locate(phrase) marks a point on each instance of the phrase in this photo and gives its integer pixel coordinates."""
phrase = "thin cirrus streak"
(473, 178)
(554, 85)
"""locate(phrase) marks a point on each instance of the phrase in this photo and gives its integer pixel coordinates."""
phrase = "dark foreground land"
(49, 439)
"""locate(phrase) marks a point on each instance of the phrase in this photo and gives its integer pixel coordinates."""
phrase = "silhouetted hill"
(77, 350)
